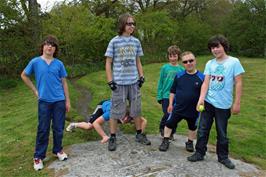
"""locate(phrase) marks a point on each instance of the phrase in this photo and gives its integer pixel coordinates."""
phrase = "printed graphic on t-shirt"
(128, 55)
(217, 78)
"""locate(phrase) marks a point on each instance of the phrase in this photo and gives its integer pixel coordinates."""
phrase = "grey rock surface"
(132, 159)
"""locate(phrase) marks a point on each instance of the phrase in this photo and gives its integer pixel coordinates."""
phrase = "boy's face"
(189, 62)
(49, 49)
(130, 26)
(172, 58)
(218, 51)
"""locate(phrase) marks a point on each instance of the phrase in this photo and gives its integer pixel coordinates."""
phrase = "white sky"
(46, 5)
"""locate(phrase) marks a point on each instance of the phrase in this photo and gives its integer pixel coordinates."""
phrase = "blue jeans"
(48, 112)
(165, 104)
(221, 117)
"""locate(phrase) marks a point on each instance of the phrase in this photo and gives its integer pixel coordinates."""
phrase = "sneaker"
(189, 146)
(141, 138)
(70, 127)
(61, 156)
(165, 145)
(195, 157)
(112, 144)
(37, 164)
(228, 163)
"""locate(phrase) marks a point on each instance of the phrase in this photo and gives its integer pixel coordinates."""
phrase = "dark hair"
(174, 50)
(50, 39)
(122, 22)
(214, 41)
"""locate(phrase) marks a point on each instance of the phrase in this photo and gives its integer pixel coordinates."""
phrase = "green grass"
(18, 116)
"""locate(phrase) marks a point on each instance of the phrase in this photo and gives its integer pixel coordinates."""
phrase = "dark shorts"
(175, 118)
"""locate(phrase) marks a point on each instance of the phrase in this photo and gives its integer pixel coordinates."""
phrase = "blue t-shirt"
(124, 51)
(222, 81)
(106, 106)
(186, 88)
(48, 78)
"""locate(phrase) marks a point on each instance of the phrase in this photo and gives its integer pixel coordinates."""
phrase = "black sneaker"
(165, 145)
(195, 157)
(189, 146)
(112, 144)
(141, 138)
(228, 163)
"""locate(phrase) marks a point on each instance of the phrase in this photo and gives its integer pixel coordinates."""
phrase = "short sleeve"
(29, 68)
(207, 68)
(110, 50)
(238, 69)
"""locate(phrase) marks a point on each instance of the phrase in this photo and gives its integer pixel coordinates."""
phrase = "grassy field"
(18, 111)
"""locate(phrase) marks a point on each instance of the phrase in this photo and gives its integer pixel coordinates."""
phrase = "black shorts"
(175, 118)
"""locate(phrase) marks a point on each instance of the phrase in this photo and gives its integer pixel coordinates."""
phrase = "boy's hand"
(236, 108)
(141, 81)
(112, 85)
(36, 94)
(198, 104)
(170, 108)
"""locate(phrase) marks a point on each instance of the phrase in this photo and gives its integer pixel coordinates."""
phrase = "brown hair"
(174, 50)
(214, 41)
(187, 53)
(122, 22)
(50, 39)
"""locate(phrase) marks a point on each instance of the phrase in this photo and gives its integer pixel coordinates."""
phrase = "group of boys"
(181, 91)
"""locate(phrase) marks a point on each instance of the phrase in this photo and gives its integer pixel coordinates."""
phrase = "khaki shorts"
(120, 96)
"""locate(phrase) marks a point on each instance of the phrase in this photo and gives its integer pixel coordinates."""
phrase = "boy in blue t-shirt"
(53, 98)
(221, 74)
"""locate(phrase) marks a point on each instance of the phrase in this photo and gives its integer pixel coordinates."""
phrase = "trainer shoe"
(70, 127)
(112, 143)
(228, 163)
(37, 164)
(189, 146)
(141, 138)
(165, 145)
(61, 156)
(195, 157)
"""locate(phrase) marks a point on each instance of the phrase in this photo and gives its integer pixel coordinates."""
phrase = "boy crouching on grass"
(53, 98)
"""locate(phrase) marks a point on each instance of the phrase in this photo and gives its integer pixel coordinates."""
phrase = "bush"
(7, 83)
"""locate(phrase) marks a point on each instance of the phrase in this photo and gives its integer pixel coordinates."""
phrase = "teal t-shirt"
(167, 75)
(222, 74)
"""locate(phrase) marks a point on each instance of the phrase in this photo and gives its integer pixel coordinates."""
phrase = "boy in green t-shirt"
(167, 75)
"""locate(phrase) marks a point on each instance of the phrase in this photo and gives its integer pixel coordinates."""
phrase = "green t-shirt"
(167, 75)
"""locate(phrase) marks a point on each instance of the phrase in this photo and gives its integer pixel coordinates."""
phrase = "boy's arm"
(139, 66)
(204, 90)
(238, 90)
(68, 106)
(28, 82)
(108, 69)
(171, 100)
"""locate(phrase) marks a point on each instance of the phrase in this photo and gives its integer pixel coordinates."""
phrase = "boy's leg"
(205, 125)
(192, 131)
(59, 112)
(84, 125)
(97, 126)
(165, 103)
(221, 122)
(143, 123)
(42, 138)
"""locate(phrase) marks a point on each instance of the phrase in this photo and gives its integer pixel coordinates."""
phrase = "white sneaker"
(70, 127)
(61, 156)
(37, 164)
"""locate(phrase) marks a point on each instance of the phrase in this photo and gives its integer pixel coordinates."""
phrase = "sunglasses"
(188, 61)
(131, 23)
(50, 43)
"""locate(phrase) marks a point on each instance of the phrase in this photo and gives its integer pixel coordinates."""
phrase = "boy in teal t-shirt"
(167, 75)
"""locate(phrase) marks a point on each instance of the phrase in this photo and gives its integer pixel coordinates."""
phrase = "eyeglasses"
(131, 23)
(188, 61)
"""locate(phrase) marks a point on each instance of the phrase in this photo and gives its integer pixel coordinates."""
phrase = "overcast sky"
(46, 5)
